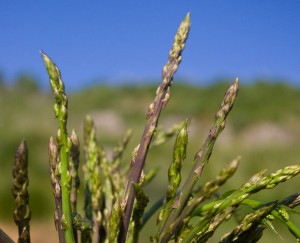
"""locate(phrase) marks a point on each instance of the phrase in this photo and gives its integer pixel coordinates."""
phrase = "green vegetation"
(194, 201)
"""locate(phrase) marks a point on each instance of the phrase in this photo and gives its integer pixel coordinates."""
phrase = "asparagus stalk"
(87, 170)
(75, 180)
(138, 211)
(174, 174)
(93, 177)
(114, 222)
(61, 113)
(155, 108)
(22, 212)
(74, 165)
(55, 182)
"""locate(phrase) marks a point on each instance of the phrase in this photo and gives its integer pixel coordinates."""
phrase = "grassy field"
(263, 127)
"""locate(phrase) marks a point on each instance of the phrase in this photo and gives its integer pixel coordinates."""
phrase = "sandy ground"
(40, 231)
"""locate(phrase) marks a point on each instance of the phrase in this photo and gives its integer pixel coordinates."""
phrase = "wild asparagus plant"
(22, 213)
(174, 174)
(155, 108)
(64, 143)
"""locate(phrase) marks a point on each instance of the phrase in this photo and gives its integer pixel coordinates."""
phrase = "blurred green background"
(263, 128)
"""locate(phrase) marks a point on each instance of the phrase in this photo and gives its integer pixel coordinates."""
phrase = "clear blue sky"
(130, 40)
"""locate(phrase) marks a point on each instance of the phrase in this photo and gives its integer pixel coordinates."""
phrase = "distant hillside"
(256, 102)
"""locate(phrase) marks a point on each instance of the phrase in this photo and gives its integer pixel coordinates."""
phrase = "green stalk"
(75, 180)
(114, 222)
(155, 108)
(281, 214)
(74, 165)
(61, 113)
(174, 174)
(22, 212)
(179, 154)
(82, 224)
(138, 211)
(93, 176)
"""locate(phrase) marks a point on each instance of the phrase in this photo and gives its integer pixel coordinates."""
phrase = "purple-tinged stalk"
(155, 108)
(64, 143)
(22, 212)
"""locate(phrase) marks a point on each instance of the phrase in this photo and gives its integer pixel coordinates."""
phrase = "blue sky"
(128, 41)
